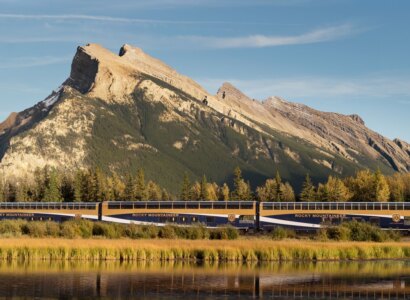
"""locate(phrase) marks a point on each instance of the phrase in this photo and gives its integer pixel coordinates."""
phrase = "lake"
(183, 280)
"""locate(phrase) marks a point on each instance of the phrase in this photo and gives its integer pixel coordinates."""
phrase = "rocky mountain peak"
(231, 93)
(357, 118)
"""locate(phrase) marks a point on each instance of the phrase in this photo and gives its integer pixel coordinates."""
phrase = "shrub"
(150, 231)
(321, 235)
(77, 228)
(108, 230)
(35, 229)
(70, 230)
(358, 231)
(339, 233)
(224, 233)
(167, 232)
(52, 229)
(133, 231)
(280, 233)
(12, 227)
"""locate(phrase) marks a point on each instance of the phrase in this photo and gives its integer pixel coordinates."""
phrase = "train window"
(179, 205)
(385, 206)
(297, 206)
(305, 206)
(127, 205)
(393, 206)
(399, 206)
(152, 205)
(369, 206)
(192, 205)
(206, 205)
(333, 206)
(355, 206)
(276, 206)
(247, 205)
(326, 206)
(267, 206)
(319, 206)
(348, 206)
(165, 205)
(233, 205)
(140, 205)
(219, 205)
(112, 205)
(406, 205)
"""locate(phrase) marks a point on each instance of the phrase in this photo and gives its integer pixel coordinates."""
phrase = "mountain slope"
(121, 112)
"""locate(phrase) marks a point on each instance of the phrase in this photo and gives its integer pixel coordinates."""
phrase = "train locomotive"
(243, 215)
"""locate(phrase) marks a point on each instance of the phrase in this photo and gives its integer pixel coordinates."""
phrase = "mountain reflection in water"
(177, 280)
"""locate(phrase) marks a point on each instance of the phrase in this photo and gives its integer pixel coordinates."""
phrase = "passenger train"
(244, 215)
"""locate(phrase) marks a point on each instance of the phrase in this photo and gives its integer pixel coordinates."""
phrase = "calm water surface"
(111, 280)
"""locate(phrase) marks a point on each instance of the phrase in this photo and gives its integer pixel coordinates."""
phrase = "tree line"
(53, 185)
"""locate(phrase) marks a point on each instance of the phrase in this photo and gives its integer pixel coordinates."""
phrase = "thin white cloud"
(259, 41)
(372, 87)
(83, 17)
(28, 62)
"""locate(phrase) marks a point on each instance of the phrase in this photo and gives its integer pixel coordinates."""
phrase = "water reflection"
(177, 280)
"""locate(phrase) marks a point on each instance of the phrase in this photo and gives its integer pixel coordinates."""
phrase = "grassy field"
(243, 250)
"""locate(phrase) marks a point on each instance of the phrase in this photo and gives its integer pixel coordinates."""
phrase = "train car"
(239, 214)
(314, 215)
(48, 211)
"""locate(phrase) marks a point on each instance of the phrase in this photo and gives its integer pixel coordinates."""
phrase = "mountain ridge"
(135, 106)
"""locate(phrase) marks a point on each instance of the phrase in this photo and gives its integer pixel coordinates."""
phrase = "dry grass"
(208, 250)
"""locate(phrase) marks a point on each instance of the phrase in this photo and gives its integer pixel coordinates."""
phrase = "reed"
(244, 250)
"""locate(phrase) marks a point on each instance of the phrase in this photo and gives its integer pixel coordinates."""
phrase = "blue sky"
(346, 56)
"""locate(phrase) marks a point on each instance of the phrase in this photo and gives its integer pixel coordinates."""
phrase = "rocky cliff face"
(120, 112)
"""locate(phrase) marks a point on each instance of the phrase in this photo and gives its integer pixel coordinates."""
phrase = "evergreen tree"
(361, 186)
(195, 193)
(52, 191)
(67, 188)
(165, 195)
(140, 190)
(22, 191)
(118, 188)
(39, 183)
(212, 192)
(242, 190)
(204, 189)
(308, 191)
(278, 187)
(397, 188)
(336, 190)
(154, 192)
(2, 188)
(223, 193)
(287, 193)
(78, 186)
(186, 188)
(129, 191)
(322, 193)
(381, 188)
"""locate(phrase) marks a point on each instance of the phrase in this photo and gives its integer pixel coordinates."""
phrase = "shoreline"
(240, 251)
